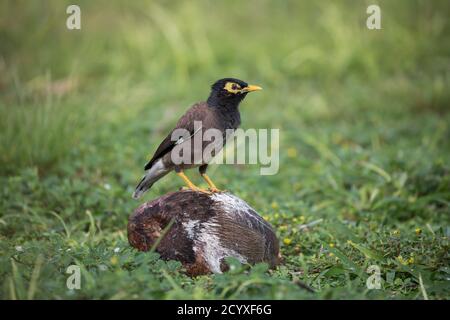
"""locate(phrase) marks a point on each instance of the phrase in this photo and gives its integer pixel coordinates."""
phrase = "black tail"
(153, 174)
(144, 185)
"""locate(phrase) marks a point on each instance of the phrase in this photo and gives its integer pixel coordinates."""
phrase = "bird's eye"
(232, 87)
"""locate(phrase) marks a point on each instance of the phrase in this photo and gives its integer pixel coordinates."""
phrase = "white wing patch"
(181, 140)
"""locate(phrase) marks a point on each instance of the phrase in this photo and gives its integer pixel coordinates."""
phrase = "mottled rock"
(205, 230)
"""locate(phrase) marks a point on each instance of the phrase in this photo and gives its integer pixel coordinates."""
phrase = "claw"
(197, 189)
(212, 186)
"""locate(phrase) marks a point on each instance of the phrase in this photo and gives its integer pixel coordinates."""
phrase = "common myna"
(219, 112)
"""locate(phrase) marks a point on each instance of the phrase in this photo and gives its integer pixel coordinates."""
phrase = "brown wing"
(196, 113)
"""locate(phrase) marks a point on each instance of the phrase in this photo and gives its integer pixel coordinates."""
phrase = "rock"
(205, 230)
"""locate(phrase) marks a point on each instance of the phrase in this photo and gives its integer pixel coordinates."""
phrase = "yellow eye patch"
(233, 87)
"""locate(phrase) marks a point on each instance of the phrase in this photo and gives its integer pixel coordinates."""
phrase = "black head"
(229, 92)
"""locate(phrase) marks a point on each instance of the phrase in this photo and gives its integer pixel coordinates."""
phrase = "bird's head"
(229, 92)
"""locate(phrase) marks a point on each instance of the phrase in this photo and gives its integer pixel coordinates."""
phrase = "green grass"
(364, 128)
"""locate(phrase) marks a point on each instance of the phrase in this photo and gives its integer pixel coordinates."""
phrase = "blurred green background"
(364, 141)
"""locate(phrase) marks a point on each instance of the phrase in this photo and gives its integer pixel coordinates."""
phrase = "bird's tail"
(143, 186)
(156, 172)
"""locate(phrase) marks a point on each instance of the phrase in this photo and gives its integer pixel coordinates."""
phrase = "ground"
(364, 143)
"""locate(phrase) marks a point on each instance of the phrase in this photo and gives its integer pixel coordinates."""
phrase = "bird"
(220, 111)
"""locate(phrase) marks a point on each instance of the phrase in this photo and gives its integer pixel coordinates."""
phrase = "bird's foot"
(216, 190)
(197, 189)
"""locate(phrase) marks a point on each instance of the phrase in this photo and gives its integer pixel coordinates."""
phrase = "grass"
(364, 143)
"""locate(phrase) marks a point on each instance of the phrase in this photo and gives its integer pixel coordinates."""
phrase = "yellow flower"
(331, 245)
(396, 232)
(114, 260)
(418, 231)
(274, 205)
(331, 254)
(292, 152)
(411, 260)
(282, 228)
(401, 260)
(266, 217)
(302, 218)
(287, 241)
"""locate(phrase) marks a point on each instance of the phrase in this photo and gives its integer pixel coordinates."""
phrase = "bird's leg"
(212, 186)
(190, 184)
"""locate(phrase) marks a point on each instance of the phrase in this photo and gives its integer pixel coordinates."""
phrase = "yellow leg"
(211, 184)
(190, 184)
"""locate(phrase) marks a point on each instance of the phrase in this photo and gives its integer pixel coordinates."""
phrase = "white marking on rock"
(234, 206)
(190, 227)
(213, 251)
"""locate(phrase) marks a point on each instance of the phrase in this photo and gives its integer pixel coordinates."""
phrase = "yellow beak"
(251, 88)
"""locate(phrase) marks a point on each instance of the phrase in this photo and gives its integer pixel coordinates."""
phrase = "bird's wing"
(195, 113)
